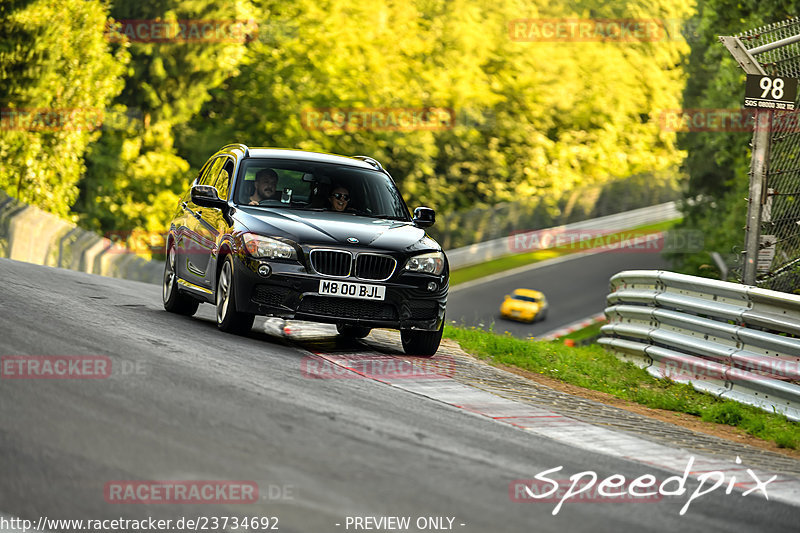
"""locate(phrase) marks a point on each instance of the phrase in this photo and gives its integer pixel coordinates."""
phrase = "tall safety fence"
(731, 340)
(774, 50)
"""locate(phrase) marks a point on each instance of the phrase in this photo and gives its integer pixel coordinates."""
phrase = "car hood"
(513, 305)
(326, 228)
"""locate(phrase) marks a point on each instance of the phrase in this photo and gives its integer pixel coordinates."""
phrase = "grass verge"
(594, 368)
(508, 262)
(583, 334)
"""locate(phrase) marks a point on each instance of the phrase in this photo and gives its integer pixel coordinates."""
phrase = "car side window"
(210, 175)
(224, 179)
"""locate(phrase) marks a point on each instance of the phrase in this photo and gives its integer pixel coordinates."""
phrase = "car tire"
(229, 319)
(174, 300)
(421, 343)
(352, 332)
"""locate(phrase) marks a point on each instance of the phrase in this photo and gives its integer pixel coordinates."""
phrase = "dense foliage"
(530, 120)
(718, 162)
(57, 76)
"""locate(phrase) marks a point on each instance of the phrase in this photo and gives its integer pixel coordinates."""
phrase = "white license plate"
(347, 289)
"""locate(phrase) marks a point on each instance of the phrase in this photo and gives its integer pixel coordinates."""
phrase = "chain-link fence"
(780, 216)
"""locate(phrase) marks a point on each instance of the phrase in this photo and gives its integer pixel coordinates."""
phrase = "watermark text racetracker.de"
(587, 487)
(44, 119)
(577, 30)
(730, 120)
(196, 523)
(749, 369)
(180, 492)
(378, 118)
(181, 31)
(629, 241)
(138, 241)
(355, 366)
(67, 367)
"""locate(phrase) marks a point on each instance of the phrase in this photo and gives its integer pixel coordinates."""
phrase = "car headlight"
(267, 248)
(430, 263)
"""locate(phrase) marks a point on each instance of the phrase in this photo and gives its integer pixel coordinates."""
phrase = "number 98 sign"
(770, 92)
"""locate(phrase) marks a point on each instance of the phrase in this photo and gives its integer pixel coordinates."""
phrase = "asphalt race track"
(186, 402)
(575, 287)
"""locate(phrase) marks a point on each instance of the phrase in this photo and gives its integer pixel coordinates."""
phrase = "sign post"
(765, 94)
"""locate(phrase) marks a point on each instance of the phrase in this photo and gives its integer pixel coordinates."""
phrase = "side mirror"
(424, 217)
(207, 196)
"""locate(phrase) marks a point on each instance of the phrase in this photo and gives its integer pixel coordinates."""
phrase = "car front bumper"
(291, 292)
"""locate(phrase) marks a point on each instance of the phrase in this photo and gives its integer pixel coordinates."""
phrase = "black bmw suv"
(307, 236)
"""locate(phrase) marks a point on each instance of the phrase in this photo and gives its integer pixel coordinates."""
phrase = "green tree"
(134, 173)
(57, 77)
(532, 119)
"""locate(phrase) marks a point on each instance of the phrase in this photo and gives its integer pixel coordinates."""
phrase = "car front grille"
(270, 294)
(331, 262)
(347, 308)
(375, 266)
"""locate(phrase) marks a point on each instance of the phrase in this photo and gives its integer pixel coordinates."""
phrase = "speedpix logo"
(588, 487)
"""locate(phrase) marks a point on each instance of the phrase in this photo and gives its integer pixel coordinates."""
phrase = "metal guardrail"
(734, 341)
(488, 250)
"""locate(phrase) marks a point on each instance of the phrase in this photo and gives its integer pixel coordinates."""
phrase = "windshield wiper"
(284, 206)
(391, 217)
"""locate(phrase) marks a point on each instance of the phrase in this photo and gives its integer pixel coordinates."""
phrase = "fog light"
(432, 286)
(264, 269)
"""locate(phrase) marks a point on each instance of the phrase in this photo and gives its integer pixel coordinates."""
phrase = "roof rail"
(241, 146)
(374, 162)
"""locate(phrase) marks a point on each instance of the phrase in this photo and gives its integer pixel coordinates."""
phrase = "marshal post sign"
(770, 92)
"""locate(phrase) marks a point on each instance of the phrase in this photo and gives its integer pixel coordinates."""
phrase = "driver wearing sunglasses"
(339, 198)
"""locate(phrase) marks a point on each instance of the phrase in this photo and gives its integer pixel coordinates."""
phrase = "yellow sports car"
(525, 305)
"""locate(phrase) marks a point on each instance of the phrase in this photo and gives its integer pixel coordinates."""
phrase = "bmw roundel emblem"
(352, 240)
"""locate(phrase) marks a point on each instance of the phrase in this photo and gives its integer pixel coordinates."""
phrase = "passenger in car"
(339, 198)
(266, 184)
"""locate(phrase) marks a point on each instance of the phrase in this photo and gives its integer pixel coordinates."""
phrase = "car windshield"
(524, 298)
(315, 186)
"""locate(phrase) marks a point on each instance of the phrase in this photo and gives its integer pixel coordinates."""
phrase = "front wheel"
(421, 343)
(229, 319)
(174, 301)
